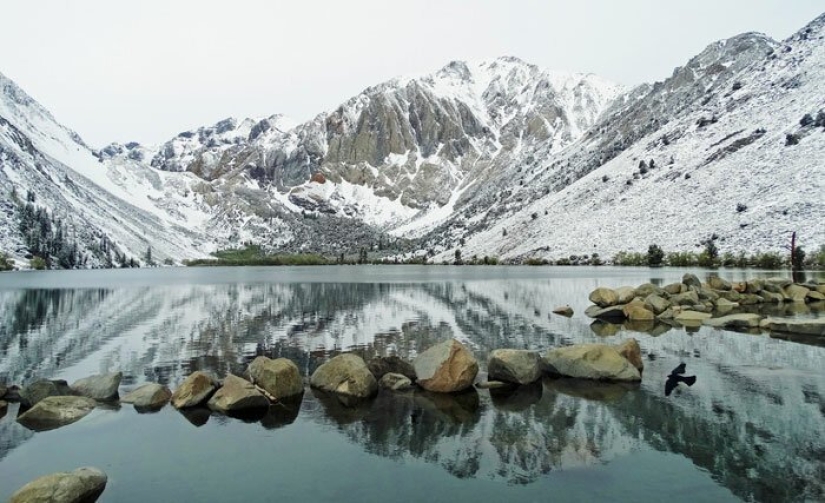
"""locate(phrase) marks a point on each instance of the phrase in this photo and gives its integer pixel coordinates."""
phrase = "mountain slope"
(717, 133)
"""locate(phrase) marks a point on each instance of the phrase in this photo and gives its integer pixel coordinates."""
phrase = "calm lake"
(752, 427)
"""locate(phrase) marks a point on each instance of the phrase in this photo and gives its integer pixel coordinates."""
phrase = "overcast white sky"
(146, 70)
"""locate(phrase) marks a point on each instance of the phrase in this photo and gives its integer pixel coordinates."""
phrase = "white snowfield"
(548, 164)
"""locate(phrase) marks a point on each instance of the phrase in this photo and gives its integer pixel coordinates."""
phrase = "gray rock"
(647, 289)
(346, 374)
(685, 299)
(636, 311)
(779, 281)
(56, 411)
(796, 293)
(38, 390)
(604, 297)
(446, 367)
(656, 303)
(690, 280)
(718, 283)
(815, 296)
(514, 366)
(280, 378)
(771, 297)
(725, 305)
(563, 311)
(395, 382)
(84, 485)
(237, 395)
(98, 387)
(691, 318)
(674, 288)
(742, 321)
(151, 396)
(624, 294)
(590, 361)
(612, 313)
(754, 286)
(381, 365)
(194, 390)
(814, 326)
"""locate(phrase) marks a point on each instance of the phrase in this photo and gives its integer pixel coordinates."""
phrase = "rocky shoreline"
(447, 369)
(716, 303)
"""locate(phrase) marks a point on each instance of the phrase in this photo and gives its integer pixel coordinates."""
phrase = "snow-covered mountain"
(494, 158)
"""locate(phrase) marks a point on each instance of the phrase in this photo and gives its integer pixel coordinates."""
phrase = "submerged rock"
(514, 366)
(280, 378)
(56, 411)
(194, 390)
(744, 320)
(38, 390)
(590, 361)
(237, 395)
(346, 374)
(98, 387)
(814, 326)
(395, 382)
(84, 485)
(446, 367)
(151, 396)
(612, 313)
(381, 365)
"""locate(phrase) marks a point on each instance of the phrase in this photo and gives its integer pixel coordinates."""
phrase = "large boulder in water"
(691, 280)
(346, 374)
(98, 387)
(84, 485)
(38, 390)
(514, 366)
(237, 395)
(151, 396)
(446, 367)
(590, 361)
(381, 365)
(280, 378)
(56, 411)
(194, 390)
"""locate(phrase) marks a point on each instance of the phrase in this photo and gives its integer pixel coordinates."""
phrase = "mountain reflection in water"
(755, 421)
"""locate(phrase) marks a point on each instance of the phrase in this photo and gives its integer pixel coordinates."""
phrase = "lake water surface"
(752, 427)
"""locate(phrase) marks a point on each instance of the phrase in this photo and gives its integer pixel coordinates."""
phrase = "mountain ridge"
(454, 158)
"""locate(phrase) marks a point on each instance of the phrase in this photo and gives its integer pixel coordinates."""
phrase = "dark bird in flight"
(676, 377)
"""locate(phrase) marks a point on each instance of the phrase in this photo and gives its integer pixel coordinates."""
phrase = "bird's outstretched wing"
(678, 370)
(670, 385)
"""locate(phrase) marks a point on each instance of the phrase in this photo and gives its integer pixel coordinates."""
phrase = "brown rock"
(632, 352)
(194, 390)
(446, 367)
(237, 394)
(280, 378)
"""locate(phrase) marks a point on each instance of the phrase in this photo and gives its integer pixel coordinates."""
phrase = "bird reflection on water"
(676, 376)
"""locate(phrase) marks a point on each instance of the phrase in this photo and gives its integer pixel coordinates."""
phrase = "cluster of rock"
(714, 303)
(447, 367)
